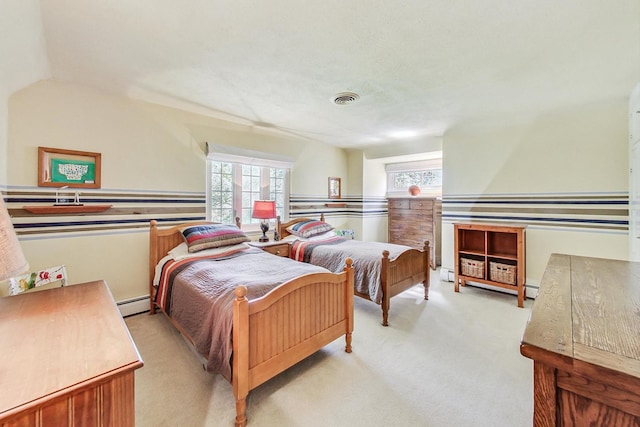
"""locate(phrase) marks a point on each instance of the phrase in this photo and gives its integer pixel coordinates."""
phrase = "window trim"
(414, 166)
(239, 156)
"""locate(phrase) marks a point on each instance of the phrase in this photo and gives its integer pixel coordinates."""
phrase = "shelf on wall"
(66, 209)
(335, 205)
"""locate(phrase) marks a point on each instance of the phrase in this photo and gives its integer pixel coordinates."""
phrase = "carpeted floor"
(451, 361)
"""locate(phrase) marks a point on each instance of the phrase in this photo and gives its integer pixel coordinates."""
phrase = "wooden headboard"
(282, 227)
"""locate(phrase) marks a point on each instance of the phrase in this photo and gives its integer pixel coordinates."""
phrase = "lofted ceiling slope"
(419, 67)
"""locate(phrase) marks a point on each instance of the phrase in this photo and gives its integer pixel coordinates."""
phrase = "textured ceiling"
(420, 67)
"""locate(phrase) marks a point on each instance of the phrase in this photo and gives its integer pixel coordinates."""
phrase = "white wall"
(634, 174)
(581, 150)
(145, 147)
(374, 179)
(24, 59)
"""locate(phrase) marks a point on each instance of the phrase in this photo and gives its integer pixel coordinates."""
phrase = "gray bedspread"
(203, 293)
(367, 262)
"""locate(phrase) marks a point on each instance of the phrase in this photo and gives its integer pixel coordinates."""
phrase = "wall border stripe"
(597, 211)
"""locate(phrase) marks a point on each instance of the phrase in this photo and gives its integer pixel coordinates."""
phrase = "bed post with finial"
(241, 354)
(349, 301)
(153, 249)
(427, 271)
(322, 216)
(384, 285)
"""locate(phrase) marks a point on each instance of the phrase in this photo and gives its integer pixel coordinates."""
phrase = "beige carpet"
(451, 361)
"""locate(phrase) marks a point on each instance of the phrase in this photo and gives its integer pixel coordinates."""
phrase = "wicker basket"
(472, 268)
(503, 273)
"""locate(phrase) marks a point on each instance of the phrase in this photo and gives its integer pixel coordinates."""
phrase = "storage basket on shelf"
(472, 267)
(503, 273)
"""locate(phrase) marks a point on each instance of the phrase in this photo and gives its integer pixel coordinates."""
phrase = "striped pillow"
(199, 237)
(309, 228)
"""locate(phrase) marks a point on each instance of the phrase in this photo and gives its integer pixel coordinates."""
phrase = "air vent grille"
(345, 98)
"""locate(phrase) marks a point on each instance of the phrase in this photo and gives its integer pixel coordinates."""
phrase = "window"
(236, 180)
(235, 186)
(429, 178)
(425, 174)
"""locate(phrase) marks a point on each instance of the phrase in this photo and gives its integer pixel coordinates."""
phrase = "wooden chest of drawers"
(412, 220)
(68, 359)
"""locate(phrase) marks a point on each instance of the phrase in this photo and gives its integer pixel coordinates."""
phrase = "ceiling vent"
(345, 98)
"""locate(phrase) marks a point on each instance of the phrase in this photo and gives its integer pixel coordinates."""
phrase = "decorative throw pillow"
(206, 236)
(309, 228)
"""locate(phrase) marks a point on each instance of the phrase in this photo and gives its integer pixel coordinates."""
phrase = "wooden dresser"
(584, 338)
(412, 220)
(67, 359)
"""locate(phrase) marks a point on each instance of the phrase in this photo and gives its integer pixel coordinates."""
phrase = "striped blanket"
(333, 252)
(198, 293)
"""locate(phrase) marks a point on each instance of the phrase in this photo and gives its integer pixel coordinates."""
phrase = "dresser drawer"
(281, 249)
(398, 204)
(421, 205)
(411, 216)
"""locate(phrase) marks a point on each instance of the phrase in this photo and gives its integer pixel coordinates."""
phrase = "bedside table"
(274, 247)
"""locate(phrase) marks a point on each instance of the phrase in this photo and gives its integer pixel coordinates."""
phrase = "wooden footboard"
(396, 276)
(274, 332)
(291, 322)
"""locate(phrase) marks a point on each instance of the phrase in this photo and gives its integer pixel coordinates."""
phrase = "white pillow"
(182, 251)
(324, 236)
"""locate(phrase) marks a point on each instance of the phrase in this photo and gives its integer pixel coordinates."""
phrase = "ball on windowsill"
(414, 190)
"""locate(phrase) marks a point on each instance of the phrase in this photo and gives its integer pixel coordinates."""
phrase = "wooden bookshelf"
(491, 254)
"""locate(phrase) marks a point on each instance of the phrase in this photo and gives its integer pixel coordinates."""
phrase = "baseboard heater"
(447, 275)
(133, 306)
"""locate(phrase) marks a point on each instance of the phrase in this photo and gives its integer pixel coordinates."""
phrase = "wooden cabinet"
(67, 359)
(412, 220)
(276, 247)
(491, 254)
(583, 336)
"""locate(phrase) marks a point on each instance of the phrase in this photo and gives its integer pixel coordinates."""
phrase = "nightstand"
(274, 247)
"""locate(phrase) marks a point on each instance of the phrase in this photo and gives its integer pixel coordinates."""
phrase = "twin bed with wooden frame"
(395, 276)
(277, 330)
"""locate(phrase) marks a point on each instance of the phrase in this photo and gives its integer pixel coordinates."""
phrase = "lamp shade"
(12, 261)
(264, 209)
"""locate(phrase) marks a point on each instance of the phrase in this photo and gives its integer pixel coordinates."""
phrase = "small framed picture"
(71, 168)
(334, 188)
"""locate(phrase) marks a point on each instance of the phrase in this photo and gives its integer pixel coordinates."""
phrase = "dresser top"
(60, 339)
(588, 309)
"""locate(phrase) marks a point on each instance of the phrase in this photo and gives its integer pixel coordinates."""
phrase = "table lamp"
(264, 210)
(12, 261)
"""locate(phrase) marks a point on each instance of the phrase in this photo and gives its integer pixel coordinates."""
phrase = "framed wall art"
(335, 191)
(72, 168)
